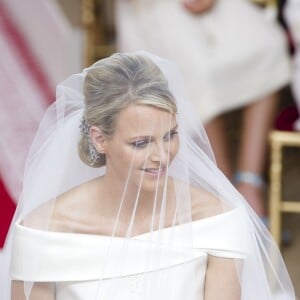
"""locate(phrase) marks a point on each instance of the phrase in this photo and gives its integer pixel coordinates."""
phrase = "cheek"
(141, 156)
(136, 157)
(119, 154)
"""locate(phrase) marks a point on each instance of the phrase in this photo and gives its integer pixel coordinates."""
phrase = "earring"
(94, 154)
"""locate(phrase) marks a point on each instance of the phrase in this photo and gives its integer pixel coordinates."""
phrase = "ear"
(98, 139)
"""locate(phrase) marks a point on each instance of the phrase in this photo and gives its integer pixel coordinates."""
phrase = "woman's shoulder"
(204, 203)
(72, 211)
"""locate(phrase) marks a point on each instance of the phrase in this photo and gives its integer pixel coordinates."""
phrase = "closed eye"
(141, 143)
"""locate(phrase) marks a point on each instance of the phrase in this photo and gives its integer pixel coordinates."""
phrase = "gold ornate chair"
(265, 2)
(277, 205)
(97, 21)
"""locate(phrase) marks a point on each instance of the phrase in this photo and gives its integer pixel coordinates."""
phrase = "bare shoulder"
(70, 211)
(204, 203)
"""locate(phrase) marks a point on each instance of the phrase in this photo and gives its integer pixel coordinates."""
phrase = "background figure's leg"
(257, 122)
(216, 131)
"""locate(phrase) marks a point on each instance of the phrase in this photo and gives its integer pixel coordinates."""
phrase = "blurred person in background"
(231, 56)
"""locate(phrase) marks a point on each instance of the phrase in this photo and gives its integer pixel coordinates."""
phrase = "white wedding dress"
(75, 262)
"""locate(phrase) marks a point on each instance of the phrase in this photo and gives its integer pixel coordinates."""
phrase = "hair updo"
(112, 84)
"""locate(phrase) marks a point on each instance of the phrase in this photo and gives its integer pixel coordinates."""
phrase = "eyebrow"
(151, 137)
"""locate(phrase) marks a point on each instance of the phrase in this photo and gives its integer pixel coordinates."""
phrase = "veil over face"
(145, 137)
(122, 199)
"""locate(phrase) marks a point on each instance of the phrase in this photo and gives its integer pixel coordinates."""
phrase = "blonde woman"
(119, 202)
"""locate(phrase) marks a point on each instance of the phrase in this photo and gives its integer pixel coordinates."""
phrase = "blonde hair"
(114, 83)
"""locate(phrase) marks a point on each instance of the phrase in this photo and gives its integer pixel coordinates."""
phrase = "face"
(143, 145)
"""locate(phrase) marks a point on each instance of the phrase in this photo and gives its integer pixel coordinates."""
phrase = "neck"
(147, 208)
(130, 194)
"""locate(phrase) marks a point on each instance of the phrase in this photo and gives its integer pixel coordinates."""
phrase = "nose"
(159, 153)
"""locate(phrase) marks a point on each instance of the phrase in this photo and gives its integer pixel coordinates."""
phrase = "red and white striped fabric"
(25, 94)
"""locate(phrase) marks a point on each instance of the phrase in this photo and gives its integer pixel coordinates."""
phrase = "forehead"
(144, 120)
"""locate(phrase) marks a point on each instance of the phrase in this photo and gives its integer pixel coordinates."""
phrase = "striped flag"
(25, 94)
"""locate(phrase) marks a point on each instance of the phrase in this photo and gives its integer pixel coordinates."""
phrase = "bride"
(122, 199)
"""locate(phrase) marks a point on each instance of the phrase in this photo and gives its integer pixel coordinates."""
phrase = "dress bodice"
(76, 262)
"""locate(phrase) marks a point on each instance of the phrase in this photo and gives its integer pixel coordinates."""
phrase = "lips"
(154, 171)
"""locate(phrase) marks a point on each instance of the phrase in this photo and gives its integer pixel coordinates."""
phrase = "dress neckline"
(178, 226)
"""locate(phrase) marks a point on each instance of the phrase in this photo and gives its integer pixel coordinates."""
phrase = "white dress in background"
(75, 261)
(228, 57)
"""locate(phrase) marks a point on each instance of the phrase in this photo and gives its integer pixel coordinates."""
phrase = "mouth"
(155, 171)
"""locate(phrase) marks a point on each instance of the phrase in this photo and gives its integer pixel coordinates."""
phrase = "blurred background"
(44, 41)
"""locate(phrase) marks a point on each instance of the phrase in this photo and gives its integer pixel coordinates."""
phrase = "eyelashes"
(171, 135)
(143, 143)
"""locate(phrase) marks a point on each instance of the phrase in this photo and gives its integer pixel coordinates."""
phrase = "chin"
(150, 185)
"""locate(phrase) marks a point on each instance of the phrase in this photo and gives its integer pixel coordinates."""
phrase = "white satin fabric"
(75, 262)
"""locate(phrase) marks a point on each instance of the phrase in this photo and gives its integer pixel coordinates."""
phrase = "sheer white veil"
(194, 212)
